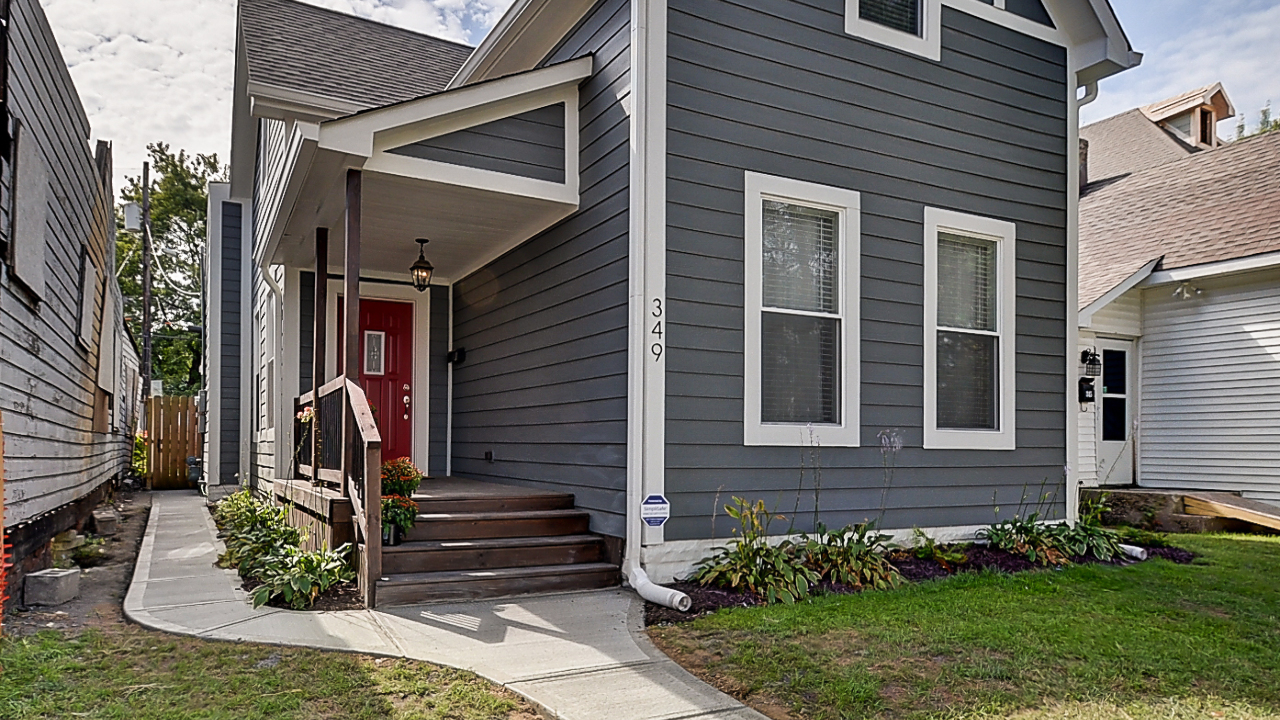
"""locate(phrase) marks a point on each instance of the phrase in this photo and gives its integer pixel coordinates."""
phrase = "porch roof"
(470, 214)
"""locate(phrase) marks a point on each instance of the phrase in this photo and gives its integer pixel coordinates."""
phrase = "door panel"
(386, 370)
(1115, 409)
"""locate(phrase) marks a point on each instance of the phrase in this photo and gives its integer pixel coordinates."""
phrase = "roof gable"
(1128, 143)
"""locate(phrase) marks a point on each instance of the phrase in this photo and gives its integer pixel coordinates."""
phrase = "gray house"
(680, 251)
(69, 385)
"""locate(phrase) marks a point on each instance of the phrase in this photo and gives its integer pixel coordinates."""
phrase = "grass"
(1153, 640)
(134, 674)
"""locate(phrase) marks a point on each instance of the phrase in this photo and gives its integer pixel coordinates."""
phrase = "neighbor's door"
(1116, 406)
(386, 370)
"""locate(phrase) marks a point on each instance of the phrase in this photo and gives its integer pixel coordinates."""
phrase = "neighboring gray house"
(68, 375)
(680, 249)
(1180, 299)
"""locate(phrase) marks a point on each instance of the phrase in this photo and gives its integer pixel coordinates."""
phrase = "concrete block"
(106, 521)
(51, 587)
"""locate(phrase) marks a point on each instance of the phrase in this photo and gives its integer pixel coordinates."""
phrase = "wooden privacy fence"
(172, 423)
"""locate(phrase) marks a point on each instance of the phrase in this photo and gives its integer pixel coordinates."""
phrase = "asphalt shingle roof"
(301, 47)
(1129, 143)
(1214, 205)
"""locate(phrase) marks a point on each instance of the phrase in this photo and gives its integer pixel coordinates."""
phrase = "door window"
(1115, 401)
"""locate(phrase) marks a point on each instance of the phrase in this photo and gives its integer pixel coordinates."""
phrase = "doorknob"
(406, 406)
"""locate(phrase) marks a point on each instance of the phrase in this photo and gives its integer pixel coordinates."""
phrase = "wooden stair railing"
(364, 486)
(320, 457)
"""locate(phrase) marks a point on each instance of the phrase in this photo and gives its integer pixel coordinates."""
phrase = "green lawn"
(1153, 640)
(127, 673)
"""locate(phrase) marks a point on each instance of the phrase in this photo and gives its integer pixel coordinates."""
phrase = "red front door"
(386, 370)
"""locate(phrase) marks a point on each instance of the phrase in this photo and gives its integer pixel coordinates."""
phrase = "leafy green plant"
(400, 477)
(399, 511)
(138, 458)
(299, 576)
(926, 548)
(254, 532)
(853, 556)
(1039, 543)
(1088, 536)
(750, 563)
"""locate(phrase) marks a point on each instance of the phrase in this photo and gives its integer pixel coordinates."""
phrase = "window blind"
(901, 15)
(800, 257)
(967, 362)
(966, 282)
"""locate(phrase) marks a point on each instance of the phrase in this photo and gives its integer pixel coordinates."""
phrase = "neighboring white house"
(1180, 300)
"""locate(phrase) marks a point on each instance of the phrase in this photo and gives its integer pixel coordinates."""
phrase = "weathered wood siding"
(778, 87)
(48, 379)
(1210, 380)
(544, 386)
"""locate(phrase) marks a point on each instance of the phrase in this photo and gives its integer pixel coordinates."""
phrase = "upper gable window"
(911, 25)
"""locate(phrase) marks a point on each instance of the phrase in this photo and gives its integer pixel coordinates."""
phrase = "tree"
(179, 205)
(1266, 123)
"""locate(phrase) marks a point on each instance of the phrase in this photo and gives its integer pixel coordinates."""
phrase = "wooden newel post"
(351, 324)
(318, 344)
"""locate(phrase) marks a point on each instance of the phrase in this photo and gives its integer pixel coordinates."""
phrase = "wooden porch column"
(318, 334)
(351, 321)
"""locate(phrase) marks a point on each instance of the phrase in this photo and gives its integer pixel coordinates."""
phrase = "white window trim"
(928, 44)
(848, 204)
(1005, 234)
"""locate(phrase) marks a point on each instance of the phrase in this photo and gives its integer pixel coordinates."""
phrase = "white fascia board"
(1086, 315)
(273, 101)
(355, 135)
(301, 151)
(522, 37)
(1263, 261)
(1101, 48)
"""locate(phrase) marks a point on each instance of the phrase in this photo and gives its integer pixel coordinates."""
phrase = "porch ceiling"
(467, 226)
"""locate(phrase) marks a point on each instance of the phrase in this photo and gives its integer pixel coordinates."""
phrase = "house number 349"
(656, 332)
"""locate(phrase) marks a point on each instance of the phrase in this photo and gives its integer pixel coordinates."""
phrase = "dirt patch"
(1172, 554)
(102, 586)
(706, 600)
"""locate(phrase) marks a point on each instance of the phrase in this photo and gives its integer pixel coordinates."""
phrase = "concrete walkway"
(578, 656)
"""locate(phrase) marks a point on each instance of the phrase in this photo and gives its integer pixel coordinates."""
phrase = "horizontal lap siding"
(47, 378)
(529, 144)
(437, 453)
(229, 326)
(544, 385)
(777, 87)
(1210, 412)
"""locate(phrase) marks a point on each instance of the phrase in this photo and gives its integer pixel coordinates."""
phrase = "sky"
(161, 70)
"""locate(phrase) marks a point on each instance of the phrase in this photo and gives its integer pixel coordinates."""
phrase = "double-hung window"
(970, 313)
(911, 25)
(801, 326)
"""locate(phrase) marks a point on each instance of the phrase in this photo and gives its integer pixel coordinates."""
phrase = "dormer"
(1193, 116)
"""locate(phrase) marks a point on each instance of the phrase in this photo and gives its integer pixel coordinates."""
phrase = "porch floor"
(451, 487)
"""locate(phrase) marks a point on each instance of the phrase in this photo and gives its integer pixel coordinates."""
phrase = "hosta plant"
(1088, 536)
(400, 477)
(923, 546)
(1039, 543)
(299, 577)
(750, 563)
(851, 556)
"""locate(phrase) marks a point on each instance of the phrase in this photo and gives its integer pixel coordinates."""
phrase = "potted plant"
(398, 514)
(400, 477)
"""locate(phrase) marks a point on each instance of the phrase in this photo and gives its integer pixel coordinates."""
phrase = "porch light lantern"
(421, 269)
(1092, 363)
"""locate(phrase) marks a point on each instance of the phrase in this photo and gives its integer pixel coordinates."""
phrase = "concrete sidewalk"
(578, 656)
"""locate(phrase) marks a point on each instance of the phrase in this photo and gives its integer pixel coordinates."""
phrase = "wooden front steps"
(1234, 507)
(479, 540)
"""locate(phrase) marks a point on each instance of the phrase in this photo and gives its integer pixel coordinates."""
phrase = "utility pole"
(146, 281)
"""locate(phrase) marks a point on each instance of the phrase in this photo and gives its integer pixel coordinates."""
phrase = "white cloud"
(1189, 44)
(161, 70)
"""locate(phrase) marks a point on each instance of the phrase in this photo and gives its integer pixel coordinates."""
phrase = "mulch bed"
(707, 600)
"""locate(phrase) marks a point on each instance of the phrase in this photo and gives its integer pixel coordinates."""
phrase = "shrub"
(1040, 544)
(299, 576)
(400, 477)
(399, 511)
(1144, 538)
(926, 548)
(138, 459)
(852, 556)
(254, 531)
(1088, 536)
(750, 563)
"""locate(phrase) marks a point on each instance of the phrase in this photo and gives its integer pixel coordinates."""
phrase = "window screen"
(800, 349)
(968, 347)
(901, 15)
